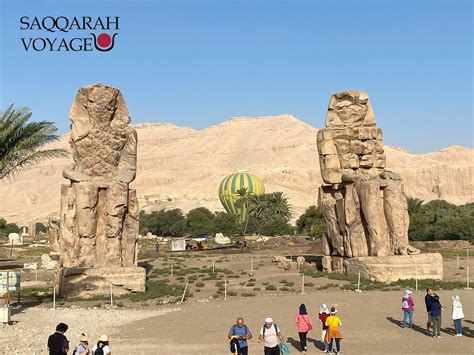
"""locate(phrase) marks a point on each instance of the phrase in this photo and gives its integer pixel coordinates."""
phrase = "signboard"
(13, 281)
(178, 244)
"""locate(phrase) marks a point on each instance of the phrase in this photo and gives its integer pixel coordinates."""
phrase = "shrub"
(270, 287)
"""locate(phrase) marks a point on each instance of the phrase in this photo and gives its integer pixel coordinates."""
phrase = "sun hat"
(408, 292)
(103, 337)
(323, 309)
(268, 320)
(83, 338)
(333, 310)
(456, 298)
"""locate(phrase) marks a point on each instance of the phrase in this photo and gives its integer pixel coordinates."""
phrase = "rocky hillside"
(182, 167)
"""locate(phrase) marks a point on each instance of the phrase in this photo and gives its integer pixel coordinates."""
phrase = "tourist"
(271, 336)
(428, 303)
(242, 332)
(436, 310)
(57, 342)
(83, 347)
(333, 334)
(303, 322)
(458, 315)
(102, 347)
(323, 315)
(408, 307)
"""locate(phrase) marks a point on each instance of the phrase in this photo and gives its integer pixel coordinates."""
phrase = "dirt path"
(370, 325)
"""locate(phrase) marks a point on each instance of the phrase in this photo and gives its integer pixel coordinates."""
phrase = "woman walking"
(333, 322)
(323, 315)
(408, 306)
(458, 315)
(304, 324)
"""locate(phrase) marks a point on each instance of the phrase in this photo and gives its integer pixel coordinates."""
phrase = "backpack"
(405, 304)
(99, 350)
(265, 328)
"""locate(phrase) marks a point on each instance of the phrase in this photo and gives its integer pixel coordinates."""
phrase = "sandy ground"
(370, 325)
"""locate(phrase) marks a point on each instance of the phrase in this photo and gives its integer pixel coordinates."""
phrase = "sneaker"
(439, 337)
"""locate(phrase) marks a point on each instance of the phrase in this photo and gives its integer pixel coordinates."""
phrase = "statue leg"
(356, 232)
(327, 206)
(398, 220)
(86, 221)
(130, 230)
(372, 208)
(116, 204)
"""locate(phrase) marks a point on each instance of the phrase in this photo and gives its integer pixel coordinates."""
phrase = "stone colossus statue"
(364, 204)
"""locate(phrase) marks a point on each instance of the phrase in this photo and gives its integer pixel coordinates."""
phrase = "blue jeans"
(457, 326)
(338, 345)
(410, 315)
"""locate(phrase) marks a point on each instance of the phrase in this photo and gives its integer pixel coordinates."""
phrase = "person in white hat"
(458, 315)
(323, 315)
(408, 306)
(102, 346)
(271, 336)
(83, 347)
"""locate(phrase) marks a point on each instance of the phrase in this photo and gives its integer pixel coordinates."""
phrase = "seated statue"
(364, 204)
(99, 213)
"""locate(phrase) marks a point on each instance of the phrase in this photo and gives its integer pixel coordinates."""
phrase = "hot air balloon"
(233, 183)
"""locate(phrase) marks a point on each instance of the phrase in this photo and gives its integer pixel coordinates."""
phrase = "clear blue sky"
(196, 63)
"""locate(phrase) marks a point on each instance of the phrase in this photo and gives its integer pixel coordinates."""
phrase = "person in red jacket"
(323, 314)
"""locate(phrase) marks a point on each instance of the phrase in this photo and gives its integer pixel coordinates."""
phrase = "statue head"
(97, 105)
(350, 108)
(101, 103)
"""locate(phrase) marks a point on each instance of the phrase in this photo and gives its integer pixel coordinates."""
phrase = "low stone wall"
(442, 244)
(396, 267)
(90, 282)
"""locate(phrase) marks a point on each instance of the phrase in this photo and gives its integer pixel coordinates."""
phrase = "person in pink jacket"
(303, 322)
(408, 306)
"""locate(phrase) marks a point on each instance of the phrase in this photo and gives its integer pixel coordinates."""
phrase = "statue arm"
(73, 175)
(128, 159)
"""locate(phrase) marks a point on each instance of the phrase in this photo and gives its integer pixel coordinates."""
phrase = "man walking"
(242, 332)
(271, 336)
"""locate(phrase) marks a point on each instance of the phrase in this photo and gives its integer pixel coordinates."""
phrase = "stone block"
(366, 161)
(96, 281)
(325, 134)
(330, 161)
(331, 176)
(326, 147)
(396, 267)
(349, 161)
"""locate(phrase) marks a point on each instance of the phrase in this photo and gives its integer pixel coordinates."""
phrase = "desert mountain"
(182, 167)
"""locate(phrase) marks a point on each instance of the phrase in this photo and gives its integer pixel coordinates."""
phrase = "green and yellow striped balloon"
(234, 182)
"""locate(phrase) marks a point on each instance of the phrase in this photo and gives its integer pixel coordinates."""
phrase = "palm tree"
(414, 205)
(243, 201)
(272, 205)
(22, 143)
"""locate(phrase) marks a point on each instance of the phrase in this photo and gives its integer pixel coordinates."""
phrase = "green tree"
(22, 142)
(163, 223)
(275, 226)
(199, 221)
(7, 228)
(311, 223)
(414, 205)
(41, 228)
(227, 224)
(267, 206)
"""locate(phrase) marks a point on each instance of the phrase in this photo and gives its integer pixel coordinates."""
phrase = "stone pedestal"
(90, 282)
(396, 267)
